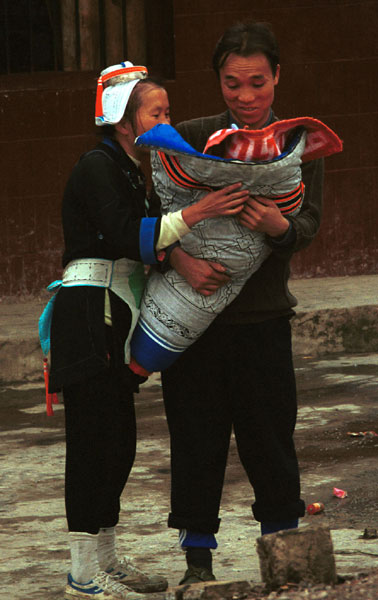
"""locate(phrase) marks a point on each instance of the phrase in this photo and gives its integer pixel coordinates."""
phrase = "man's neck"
(233, 121)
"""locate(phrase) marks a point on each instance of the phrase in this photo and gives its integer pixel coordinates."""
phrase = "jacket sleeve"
(305, 225)
(115, 209)
(307, 222)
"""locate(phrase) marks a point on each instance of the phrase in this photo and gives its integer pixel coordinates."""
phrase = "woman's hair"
(133, 105)
(136, 98)
(246, 39)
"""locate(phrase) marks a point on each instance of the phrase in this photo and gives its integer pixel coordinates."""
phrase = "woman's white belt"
(124, 277)
(93, 271)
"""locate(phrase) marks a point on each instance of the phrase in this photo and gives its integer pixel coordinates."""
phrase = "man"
(240, 374)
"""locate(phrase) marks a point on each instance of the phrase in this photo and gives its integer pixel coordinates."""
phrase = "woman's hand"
(228, 201)
(262, 214)
(203, 276)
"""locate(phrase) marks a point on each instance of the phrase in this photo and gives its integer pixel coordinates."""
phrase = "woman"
(107, 238)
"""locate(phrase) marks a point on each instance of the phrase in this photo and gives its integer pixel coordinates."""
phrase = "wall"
(46, 122)
(328, 60)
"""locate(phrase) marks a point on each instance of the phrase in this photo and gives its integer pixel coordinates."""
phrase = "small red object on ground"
(363, 433)
(339, 493)
(315, 507)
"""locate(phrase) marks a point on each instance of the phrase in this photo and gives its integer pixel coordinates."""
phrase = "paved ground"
(337, 396)
(334, 315)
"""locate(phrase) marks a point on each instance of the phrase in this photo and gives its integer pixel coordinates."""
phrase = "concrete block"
(336, 330)
(210, 590)
(297, 555)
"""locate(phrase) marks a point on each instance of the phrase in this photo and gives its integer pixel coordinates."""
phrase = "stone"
(211, 590)
(370, 534)
(297, 555)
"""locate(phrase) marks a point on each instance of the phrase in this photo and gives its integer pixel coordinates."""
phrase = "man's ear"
(277, 75)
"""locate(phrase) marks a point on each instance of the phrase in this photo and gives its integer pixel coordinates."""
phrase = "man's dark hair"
(246, 39)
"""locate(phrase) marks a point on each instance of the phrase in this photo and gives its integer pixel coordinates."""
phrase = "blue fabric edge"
(147, 240)
(165, 137)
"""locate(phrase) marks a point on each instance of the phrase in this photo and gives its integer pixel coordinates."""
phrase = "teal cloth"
(44, 323)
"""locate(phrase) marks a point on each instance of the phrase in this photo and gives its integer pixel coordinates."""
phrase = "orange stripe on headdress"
(123, 71)
(100, 89)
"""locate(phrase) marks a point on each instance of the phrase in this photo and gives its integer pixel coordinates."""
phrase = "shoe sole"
(82, 595)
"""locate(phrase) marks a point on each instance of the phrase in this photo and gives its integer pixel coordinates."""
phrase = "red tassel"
(100, 89)
(49, 397)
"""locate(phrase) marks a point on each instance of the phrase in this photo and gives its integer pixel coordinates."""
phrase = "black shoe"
(197, 575)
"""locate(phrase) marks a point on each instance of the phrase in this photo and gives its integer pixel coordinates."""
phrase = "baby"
(268, 162)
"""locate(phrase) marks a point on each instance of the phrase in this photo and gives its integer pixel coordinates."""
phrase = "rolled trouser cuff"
(281, 512)
(201, 525)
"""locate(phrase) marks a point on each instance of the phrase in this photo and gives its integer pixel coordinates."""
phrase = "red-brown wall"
(329, 60)
(46, 122)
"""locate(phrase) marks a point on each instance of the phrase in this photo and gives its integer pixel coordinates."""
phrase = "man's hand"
(262, 214)
(203, 276)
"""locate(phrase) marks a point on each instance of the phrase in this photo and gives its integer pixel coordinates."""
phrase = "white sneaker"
(127, 573)
(101, 587)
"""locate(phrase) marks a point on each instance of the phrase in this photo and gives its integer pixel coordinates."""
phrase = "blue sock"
(192, 539)
(273, 526)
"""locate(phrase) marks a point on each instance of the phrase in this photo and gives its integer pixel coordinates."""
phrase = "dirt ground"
(337, 404)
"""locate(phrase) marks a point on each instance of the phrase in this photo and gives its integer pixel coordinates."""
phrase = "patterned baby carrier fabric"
(268, 162)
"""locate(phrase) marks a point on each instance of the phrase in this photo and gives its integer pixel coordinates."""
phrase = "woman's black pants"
(240, 377)
(100, 449)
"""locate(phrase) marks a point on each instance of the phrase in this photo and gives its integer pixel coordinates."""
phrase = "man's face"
(247, 84)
